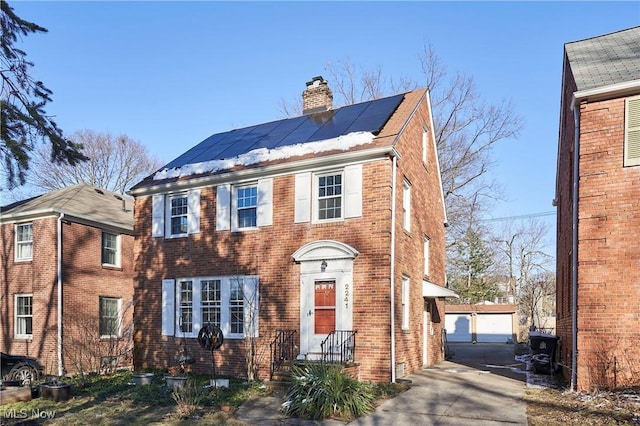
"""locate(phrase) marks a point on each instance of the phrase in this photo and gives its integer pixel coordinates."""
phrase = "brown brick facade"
(84, 281)
(608, 253)
(266, 252)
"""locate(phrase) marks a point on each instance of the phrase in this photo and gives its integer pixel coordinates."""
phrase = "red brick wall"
(84, 281)
(608, 253)
(266, 252)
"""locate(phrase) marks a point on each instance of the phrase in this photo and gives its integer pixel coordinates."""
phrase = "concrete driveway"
(474, 391)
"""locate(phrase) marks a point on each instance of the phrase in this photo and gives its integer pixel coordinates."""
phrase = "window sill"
(23, 260)
(111, 267)
(25, 338)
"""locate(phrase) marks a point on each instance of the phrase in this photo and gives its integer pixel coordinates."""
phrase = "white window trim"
(118, 256)
(15, 316)
(234, 207)
(227, 205)
(425, 138)
(406, 205)
(405, 302)
(171, 320)
(171, 197)
(23, 259)
(193, 213)
(316, 198)
(426, 255)
(119, 300)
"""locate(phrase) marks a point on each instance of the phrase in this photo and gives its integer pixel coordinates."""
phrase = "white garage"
(482, 323)
(458, 327)
(494, 327)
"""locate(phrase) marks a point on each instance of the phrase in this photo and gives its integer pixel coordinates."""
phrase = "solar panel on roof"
(368, 116)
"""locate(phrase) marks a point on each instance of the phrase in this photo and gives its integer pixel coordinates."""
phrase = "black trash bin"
(544, 352)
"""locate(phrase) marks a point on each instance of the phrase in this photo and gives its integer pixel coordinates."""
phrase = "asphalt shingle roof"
(80, 200)
(605, 60)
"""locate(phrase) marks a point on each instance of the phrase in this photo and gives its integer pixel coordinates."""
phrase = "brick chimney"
(317, 97)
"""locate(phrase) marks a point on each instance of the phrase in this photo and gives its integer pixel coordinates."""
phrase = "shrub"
(188, 397)
(321, 391)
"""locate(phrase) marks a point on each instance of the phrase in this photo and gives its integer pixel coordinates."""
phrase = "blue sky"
(170, 74)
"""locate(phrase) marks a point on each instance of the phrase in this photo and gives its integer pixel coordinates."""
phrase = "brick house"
(598, 204)
(319, 236)
(67, 278)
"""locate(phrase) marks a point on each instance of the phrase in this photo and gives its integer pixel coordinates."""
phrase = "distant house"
(598, 204)
(315, 237)
(66, 275)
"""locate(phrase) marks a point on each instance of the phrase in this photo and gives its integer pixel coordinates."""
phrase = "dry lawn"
(551, 407)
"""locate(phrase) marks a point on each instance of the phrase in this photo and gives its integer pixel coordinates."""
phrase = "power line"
(522, 216)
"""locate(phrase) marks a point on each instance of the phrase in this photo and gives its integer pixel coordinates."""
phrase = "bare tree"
(528, 268)
(466, 128)
(114, 163)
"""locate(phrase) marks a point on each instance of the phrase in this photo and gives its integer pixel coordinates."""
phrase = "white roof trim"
(612, 90)
(324, 250)
(433, 290)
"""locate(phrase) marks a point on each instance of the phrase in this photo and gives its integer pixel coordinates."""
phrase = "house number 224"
(346, 296)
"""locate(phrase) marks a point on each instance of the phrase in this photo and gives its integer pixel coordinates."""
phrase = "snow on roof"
(260, 155)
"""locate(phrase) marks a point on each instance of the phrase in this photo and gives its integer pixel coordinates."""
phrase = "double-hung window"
(230, 303)
(211, 302)
(247, 206)
(24, 241)
(110, 249)
(426, 256)
(176, 215)
(236, 306)
(179, 208)
(244, 206)
(405, 303)
(23, 316)
(406, 206)
(109, 317)
(329, 193)
(186, 307)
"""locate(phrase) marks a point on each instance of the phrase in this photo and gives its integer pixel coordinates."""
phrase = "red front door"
(325, 307)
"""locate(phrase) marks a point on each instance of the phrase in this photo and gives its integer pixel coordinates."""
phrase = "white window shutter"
(302, 197)
(193, 212)
(168, 307)
(223, 208)
(251, 306)
(265, 202)
(632, 133)
(353, 191)
(157, 216)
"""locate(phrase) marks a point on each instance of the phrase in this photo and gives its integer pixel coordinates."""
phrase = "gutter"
(393, 268)
(59, 284)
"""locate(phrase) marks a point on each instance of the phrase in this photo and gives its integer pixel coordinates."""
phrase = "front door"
(326, 293)
(325, 307)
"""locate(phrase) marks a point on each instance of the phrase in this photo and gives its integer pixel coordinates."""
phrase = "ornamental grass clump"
(321, 391)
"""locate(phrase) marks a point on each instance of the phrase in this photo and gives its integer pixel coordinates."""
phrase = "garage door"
(494, 327)
(458, 327)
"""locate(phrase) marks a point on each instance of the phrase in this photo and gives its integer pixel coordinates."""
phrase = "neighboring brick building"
(71, 248)
(598, 202)
(333, 220)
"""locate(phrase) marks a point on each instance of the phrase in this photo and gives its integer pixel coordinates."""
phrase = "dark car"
(20, 368)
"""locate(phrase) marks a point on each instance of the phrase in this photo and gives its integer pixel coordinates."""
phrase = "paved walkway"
(446, 394)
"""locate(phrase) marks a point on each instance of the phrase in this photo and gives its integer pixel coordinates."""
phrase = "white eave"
(431, 290)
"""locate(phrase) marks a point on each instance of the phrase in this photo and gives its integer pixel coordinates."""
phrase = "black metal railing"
(339, 347)
(283, 348)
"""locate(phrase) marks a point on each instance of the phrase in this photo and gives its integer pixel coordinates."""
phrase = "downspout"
(574, 248)
(393, 268)
(59, 283)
